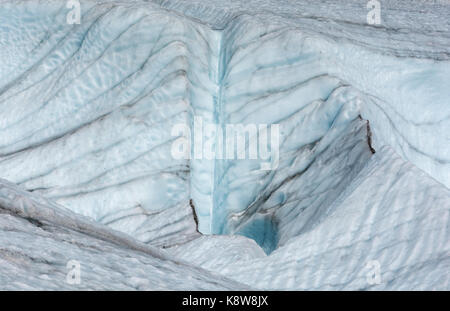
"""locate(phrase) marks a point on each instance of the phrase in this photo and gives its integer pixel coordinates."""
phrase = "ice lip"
(42, 212)
(19, 202)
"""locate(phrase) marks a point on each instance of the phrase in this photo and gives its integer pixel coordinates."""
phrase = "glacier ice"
(86, 113)
(39, 238)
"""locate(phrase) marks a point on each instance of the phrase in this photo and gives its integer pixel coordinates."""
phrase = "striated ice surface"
(86, 119)
(39, 239)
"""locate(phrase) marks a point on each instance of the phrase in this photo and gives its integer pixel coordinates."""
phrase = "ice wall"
(313, 85)
(87, 110)
(401, 65)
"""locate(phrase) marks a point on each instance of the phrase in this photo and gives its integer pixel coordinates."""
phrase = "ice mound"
(39, 239)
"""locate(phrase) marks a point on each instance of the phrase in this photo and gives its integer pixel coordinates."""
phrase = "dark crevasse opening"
(263, 230)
